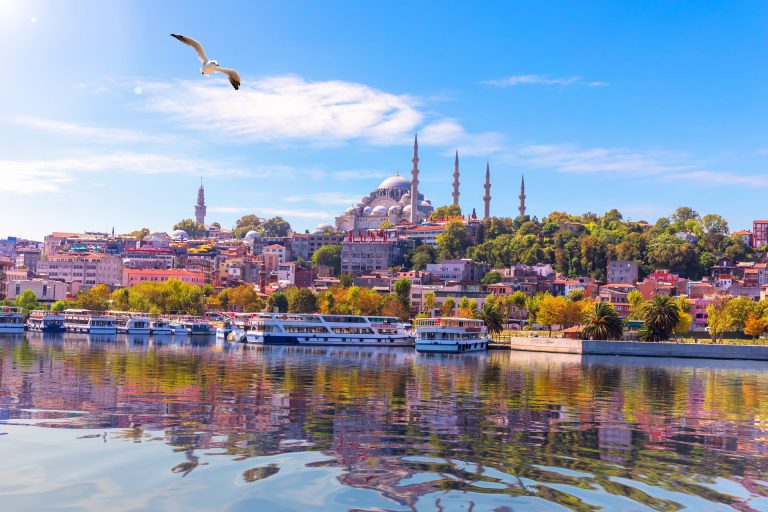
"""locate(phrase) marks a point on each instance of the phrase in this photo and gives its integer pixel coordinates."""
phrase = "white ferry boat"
(160, 327)
(191, 327)
(89, 322)
(450, 335)
(45, 321)
(317, 329)
(11, 320)
(130, 324)
(240, 324)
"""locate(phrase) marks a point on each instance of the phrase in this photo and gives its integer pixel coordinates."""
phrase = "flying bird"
(209, 66)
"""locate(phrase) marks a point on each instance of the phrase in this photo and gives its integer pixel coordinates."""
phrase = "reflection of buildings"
(373, 411)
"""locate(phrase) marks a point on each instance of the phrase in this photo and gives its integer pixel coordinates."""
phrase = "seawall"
(638, 348)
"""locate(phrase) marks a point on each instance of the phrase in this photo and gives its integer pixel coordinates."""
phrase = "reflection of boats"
(348, 330)
(11, 320)
(45, 321)
(89, 322)
(450, 335)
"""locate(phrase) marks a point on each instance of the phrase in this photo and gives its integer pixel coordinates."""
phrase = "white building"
(45, 290)
(86, 269)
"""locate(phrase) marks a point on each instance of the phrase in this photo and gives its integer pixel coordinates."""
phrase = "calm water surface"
(135, 424)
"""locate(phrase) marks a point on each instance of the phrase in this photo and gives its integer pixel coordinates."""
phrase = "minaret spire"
(415, 181)
(200, 206)
(456, 180)
(521, 209)
(487, 196)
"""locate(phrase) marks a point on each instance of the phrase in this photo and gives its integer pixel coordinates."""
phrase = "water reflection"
(344, 428)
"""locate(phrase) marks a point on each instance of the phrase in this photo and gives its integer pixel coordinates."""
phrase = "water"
(133, 424)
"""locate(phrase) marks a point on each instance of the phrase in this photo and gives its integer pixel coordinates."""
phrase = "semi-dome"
(394, 210)
(407, 208)
(406, 198)
(394, 182)
(253, 234)
(426, 203)
(380, 210)
(367, 210)
(180, 234)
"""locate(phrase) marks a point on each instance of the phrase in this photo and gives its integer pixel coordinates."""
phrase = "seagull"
(209, 66)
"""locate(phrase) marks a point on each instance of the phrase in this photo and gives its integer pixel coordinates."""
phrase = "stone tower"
(487, 196)
(521, 209)
(200, 206)
(415, 182)
(456, 180)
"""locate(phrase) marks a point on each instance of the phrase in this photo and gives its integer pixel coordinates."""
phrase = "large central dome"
(394, 182)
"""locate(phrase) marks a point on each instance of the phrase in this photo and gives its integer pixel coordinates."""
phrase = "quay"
(633, 348)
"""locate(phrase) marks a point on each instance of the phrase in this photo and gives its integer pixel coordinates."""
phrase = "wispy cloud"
(36, 176)
(328, 198)
(450, 133)
(514, 80)
(288, 107)
(270, 212)
(90, 133)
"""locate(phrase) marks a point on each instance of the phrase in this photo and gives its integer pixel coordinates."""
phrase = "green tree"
(453, 241)
(576, 295)
(402, 289)
(492, 317)
(279, 301)
(661, 315)
(191, 228)
(276, 226)
(445, 212)
(603, 323)
(328, 256)
(303, 300)
(95, 298)
(139, 234)
(60, 305)
(245, 224)
(27, 301)
(346, 280)
(422, 256)
(636, 304)
(430, 299)
(492, 277)
(446, 309)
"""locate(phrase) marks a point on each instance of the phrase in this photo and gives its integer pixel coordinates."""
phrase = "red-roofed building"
(132, 276)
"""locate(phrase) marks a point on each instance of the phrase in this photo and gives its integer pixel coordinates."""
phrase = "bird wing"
(194, 44)
(234, 78)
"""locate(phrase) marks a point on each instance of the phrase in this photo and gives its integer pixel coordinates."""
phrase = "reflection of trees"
(370, 409)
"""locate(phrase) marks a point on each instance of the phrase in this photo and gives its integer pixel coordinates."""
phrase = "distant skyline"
(106, 120)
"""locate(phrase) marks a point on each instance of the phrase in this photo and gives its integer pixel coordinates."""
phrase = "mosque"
(397, 200)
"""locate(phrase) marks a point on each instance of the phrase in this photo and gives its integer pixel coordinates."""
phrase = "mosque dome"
(395, 182)
(394, 210)
(426, 204)
(180, 234)
(379, 210)
(406, 199)
(253, 234)
(407, 208)
(323, 227)
(367, 210)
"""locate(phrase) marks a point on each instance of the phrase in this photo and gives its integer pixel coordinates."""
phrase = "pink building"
(88, 269)
(132, 276)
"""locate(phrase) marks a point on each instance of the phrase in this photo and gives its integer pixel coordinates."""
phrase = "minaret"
(415, 182)
(522, 196)
(200, 206)
(456, 180)
(487, 196)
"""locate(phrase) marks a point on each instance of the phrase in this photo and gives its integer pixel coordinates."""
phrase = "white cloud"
(91, 133)
(448, 132)
(286, 108)
(328, 198)
(288, 213)
(514, 80)
(35, 176)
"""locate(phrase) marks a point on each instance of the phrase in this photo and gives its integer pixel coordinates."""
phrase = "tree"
(603, 323)
(328, 256)
(550, 311)
(453, 241)
(492, 277)
(95, 298)
(276, 226)
(302, 300)
(422, 256)
(576, 295)
(60, 305)
(27, 301)
(737, 310)
(717, 320)
(402, 289)
(139, 234)
(492, 318)
(244, 298)
(446, 309)
(346, 280)
(684, 324)
(279, 301)
(636, 304)
(430, 299)
(755, 325)
(661, 315)
(445, 212)
(391, 305)
(191, 228)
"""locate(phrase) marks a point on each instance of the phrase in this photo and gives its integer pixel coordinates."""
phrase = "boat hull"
(451, 348)
(314, 341)
(12, 329)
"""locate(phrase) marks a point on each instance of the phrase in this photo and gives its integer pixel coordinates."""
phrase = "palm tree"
(660, 317)
(492, 318)
(603, 323)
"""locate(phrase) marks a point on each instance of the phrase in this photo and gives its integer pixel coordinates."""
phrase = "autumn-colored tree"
(755, 325)
(446, 309)
(429, 303)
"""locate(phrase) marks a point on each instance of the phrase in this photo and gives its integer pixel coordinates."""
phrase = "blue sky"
(641, 106)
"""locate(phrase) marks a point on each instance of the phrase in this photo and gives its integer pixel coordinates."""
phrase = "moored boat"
(318, 329)
(45, 321)
(160, 327)
(89, 322)
(450, 335)
(128, 323)
(11, 320)
(191, 326)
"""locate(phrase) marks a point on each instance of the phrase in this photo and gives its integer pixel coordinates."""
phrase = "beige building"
(86, 269)
(45, 290)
